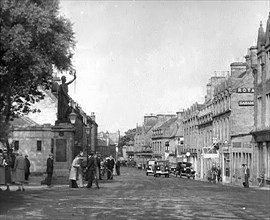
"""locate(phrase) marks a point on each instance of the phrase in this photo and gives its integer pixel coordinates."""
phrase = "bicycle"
(106, 173)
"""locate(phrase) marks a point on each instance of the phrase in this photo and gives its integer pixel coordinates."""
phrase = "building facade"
(191, 136)
(261, 132)
(232, 110)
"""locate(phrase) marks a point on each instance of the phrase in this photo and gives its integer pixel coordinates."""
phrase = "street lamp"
(88, 132)
(188, 155)
(72, 117)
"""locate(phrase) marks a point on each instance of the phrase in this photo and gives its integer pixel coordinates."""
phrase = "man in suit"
(49, 169)
(110, 166)
(91, 171)
(246, 174)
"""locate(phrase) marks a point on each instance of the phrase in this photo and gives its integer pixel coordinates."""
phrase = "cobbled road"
(133, 195)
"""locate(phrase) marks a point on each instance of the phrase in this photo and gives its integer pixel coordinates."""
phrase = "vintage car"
(149, 167)
(173, 168)
(184, 169)
(162, 168)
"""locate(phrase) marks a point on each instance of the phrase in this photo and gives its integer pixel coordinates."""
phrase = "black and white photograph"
(134, 109)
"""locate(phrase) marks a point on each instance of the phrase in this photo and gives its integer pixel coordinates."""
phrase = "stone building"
(164, 135)
(158, 144)
(205, 127)
(233, 112)
(191, 135)
(261, 132)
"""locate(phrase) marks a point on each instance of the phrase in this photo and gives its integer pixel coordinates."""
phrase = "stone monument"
(63, 131)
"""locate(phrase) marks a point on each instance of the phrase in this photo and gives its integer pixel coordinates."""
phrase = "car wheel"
(146, 174)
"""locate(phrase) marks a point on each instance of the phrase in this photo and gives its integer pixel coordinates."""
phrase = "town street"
(133, 195)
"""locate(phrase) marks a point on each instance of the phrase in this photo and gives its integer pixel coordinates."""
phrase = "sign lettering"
(245, 90)
(246, 103)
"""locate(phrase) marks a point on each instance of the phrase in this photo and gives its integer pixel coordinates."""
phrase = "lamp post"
(72, 118)
(188, 155)
(88, 133)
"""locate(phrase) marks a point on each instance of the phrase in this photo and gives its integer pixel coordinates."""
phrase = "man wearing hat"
(91, 171)
(27, 168)
(49, 169)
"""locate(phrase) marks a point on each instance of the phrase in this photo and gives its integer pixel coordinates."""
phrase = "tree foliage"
(129, 136)
(35, 41)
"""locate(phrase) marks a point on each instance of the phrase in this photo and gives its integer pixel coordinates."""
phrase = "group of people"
(91, 170)
(214, 174)
(14, 169)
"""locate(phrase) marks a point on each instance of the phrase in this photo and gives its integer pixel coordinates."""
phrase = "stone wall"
(27, 138)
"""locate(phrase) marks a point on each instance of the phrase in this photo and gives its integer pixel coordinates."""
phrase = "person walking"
(117, 167)
(27, 168)
(218, 174)
(91, 171)
(19, 169)
(246, 174)
(49, 170)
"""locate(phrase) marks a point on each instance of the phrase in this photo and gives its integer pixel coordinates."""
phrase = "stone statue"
(63, 100)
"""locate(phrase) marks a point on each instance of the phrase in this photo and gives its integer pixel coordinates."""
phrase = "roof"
(23, 122)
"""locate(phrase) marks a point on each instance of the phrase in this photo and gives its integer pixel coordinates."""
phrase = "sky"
(134, 58)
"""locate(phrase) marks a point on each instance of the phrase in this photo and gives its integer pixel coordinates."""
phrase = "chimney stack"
(93, 117)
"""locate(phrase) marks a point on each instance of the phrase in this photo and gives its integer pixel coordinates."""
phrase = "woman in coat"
(19, 168)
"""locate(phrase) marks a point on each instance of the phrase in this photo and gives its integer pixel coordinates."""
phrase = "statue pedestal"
(63, 148)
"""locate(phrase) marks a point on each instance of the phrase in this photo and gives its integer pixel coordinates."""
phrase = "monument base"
(63, 148)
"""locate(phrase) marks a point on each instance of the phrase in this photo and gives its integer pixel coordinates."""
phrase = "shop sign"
(245, 90)
(246, 103)
(212, 156)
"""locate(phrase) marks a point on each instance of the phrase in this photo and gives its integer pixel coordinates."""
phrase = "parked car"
(173, 168)
(162, 168)
(184, 169)
(149, 167)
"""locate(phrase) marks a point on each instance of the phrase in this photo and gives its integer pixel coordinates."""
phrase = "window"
(16, 145)
(267, 110)
(267, 65)
(38, 145)
(52, 145)
(259, 73)
(259, 112)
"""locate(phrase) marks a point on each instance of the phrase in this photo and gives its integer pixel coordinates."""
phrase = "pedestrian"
(19, 169)
(49, 170)
(246, 175)
(218, 174)
(110, 166)
(98, 158)
(75, 171)
(2, 169)
(13, 157)
(8, 172)
(117, 167)
(91, 171)
(27, 168)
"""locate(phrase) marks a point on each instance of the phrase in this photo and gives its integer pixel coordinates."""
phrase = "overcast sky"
(139, 57)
